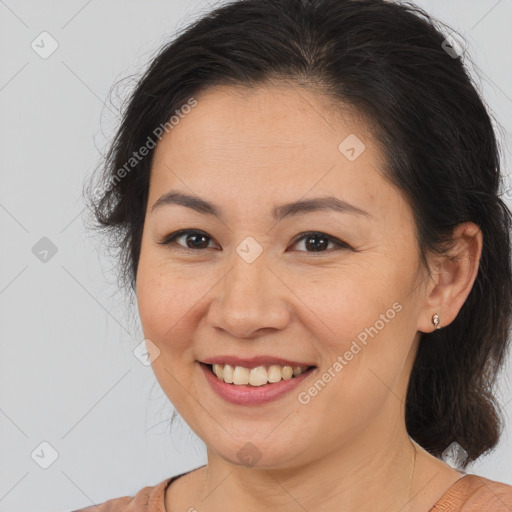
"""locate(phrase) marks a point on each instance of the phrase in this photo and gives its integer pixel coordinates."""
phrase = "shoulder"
(148, 499)
(474, 493)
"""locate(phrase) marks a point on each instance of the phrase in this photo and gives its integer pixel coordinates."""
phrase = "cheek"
(165, 303)
(361, 373)
(363, 329)
(345, 300)
(165, 312)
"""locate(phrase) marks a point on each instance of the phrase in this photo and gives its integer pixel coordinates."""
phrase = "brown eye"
(193, 239)
(318, 242)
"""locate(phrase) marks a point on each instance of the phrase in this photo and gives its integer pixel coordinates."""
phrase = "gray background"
(68, 374)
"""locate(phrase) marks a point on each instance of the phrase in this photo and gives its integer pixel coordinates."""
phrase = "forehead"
(278, 117)
(252, 144)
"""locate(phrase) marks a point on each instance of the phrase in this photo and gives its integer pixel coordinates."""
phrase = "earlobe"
(455, 274)
(435, 321)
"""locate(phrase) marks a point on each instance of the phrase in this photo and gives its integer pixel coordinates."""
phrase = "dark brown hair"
(390, 63)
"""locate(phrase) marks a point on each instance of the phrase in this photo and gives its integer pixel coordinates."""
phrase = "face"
(252, 283)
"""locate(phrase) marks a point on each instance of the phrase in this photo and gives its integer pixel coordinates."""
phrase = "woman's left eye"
(318, 241)
(314, 240)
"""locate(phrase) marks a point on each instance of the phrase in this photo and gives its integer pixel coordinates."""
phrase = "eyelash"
(169, 239)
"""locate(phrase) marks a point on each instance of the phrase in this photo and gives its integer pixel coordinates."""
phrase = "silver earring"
(435, 320)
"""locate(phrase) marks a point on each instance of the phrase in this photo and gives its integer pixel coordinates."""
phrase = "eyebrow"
(279, 212)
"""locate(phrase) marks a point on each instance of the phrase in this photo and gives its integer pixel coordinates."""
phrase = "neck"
(356, 476)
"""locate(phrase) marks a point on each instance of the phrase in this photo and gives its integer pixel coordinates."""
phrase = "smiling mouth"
(258, 376)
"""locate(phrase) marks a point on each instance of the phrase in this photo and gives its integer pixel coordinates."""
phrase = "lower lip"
(252, 395)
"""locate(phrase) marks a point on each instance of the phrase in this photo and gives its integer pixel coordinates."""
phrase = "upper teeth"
(256, 376)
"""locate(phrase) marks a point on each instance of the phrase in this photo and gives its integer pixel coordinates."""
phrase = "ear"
(453, 275)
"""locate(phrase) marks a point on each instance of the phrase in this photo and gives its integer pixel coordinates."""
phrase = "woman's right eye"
(196, 239)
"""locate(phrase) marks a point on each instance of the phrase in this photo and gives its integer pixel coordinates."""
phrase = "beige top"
(471, 493)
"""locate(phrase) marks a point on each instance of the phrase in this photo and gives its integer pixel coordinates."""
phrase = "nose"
(249, 299)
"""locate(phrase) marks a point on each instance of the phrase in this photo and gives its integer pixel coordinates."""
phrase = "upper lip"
(253, 362)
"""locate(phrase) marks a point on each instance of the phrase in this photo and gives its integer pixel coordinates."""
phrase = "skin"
(246, 151)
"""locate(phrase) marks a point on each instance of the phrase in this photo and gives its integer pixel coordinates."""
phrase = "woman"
(305, 194)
